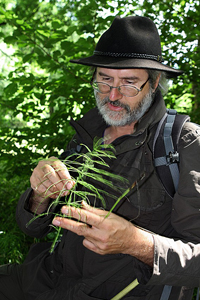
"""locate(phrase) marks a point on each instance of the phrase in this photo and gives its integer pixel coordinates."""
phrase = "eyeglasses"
(126, 89)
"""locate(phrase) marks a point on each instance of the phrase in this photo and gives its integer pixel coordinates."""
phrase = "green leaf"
(10, 40)
(56, 24)
(11, 89)
(43, 33)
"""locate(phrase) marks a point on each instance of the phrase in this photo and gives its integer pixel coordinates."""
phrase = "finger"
(42, 185)
(62, 172)
(45, 178)
(52, 181)
(58, 174)
(47, 189)
(92, 238)
(97, 211)
(80, 229)
(83, 215)
(77, 227)
(91, 246)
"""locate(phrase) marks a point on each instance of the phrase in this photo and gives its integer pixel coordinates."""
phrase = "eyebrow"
(125, 77)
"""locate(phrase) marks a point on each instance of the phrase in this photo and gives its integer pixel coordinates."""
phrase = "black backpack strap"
(166, 156)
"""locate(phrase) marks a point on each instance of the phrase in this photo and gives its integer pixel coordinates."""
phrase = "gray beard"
(126, 116)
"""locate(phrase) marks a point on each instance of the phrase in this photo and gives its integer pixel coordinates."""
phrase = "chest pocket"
(147, 202)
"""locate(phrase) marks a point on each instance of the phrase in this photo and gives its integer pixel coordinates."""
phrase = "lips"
(114, 107)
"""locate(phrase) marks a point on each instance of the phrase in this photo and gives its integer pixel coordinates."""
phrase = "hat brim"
(126, 63)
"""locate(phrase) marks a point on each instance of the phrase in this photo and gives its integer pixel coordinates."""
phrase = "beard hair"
(126, 116)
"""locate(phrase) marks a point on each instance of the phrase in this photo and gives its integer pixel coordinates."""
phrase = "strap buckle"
(173, 157)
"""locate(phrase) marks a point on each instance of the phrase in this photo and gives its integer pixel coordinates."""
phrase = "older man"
(149, 238)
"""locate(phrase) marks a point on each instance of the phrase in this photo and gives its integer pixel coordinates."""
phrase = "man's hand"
(49, 180)
(107, 234)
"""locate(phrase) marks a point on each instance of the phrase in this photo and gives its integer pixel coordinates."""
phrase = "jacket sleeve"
(177, 262)
(38, 228)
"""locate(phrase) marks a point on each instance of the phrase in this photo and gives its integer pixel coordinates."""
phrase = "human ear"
(157, 82)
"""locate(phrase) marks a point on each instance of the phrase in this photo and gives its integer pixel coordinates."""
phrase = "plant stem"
(68, 203)
(118, 200)
(55, 240)
(125, 291)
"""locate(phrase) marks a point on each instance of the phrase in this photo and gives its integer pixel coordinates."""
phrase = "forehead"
(123, 73)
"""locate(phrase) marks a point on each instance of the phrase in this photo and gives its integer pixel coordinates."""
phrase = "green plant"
(83, 166)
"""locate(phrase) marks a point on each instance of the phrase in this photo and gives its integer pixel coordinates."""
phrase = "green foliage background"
(40, 90)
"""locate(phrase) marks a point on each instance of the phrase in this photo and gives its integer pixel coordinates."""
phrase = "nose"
(115, 94)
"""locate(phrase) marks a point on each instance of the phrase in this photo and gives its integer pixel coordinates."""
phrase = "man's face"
(117, 109)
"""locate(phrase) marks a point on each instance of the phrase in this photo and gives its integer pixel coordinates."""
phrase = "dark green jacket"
(79, 274)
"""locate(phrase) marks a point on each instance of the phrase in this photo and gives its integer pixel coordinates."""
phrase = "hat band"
(131, 55)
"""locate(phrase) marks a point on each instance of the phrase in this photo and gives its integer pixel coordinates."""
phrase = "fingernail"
(65, 210)
(56, 222)
(66, 193)
(69, 185)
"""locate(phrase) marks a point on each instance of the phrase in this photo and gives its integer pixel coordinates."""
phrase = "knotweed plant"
(84, 166)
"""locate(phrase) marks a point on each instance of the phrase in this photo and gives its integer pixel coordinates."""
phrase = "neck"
(113, 132)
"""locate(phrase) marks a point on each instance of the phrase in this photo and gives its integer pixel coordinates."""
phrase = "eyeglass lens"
(126, 90)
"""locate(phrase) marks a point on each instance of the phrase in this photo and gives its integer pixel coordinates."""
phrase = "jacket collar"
(153, 115)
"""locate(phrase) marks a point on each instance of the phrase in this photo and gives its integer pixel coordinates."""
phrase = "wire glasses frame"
(126, 89)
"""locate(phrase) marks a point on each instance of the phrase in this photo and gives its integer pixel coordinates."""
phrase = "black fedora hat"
(130, 42)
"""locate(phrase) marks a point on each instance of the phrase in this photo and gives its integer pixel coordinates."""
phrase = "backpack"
(166, 160)
(165, 149)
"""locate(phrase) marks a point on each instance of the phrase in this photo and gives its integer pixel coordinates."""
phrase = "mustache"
(116, 103)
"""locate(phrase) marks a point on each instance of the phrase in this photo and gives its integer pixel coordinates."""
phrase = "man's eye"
(106, 78)
(129, 82)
